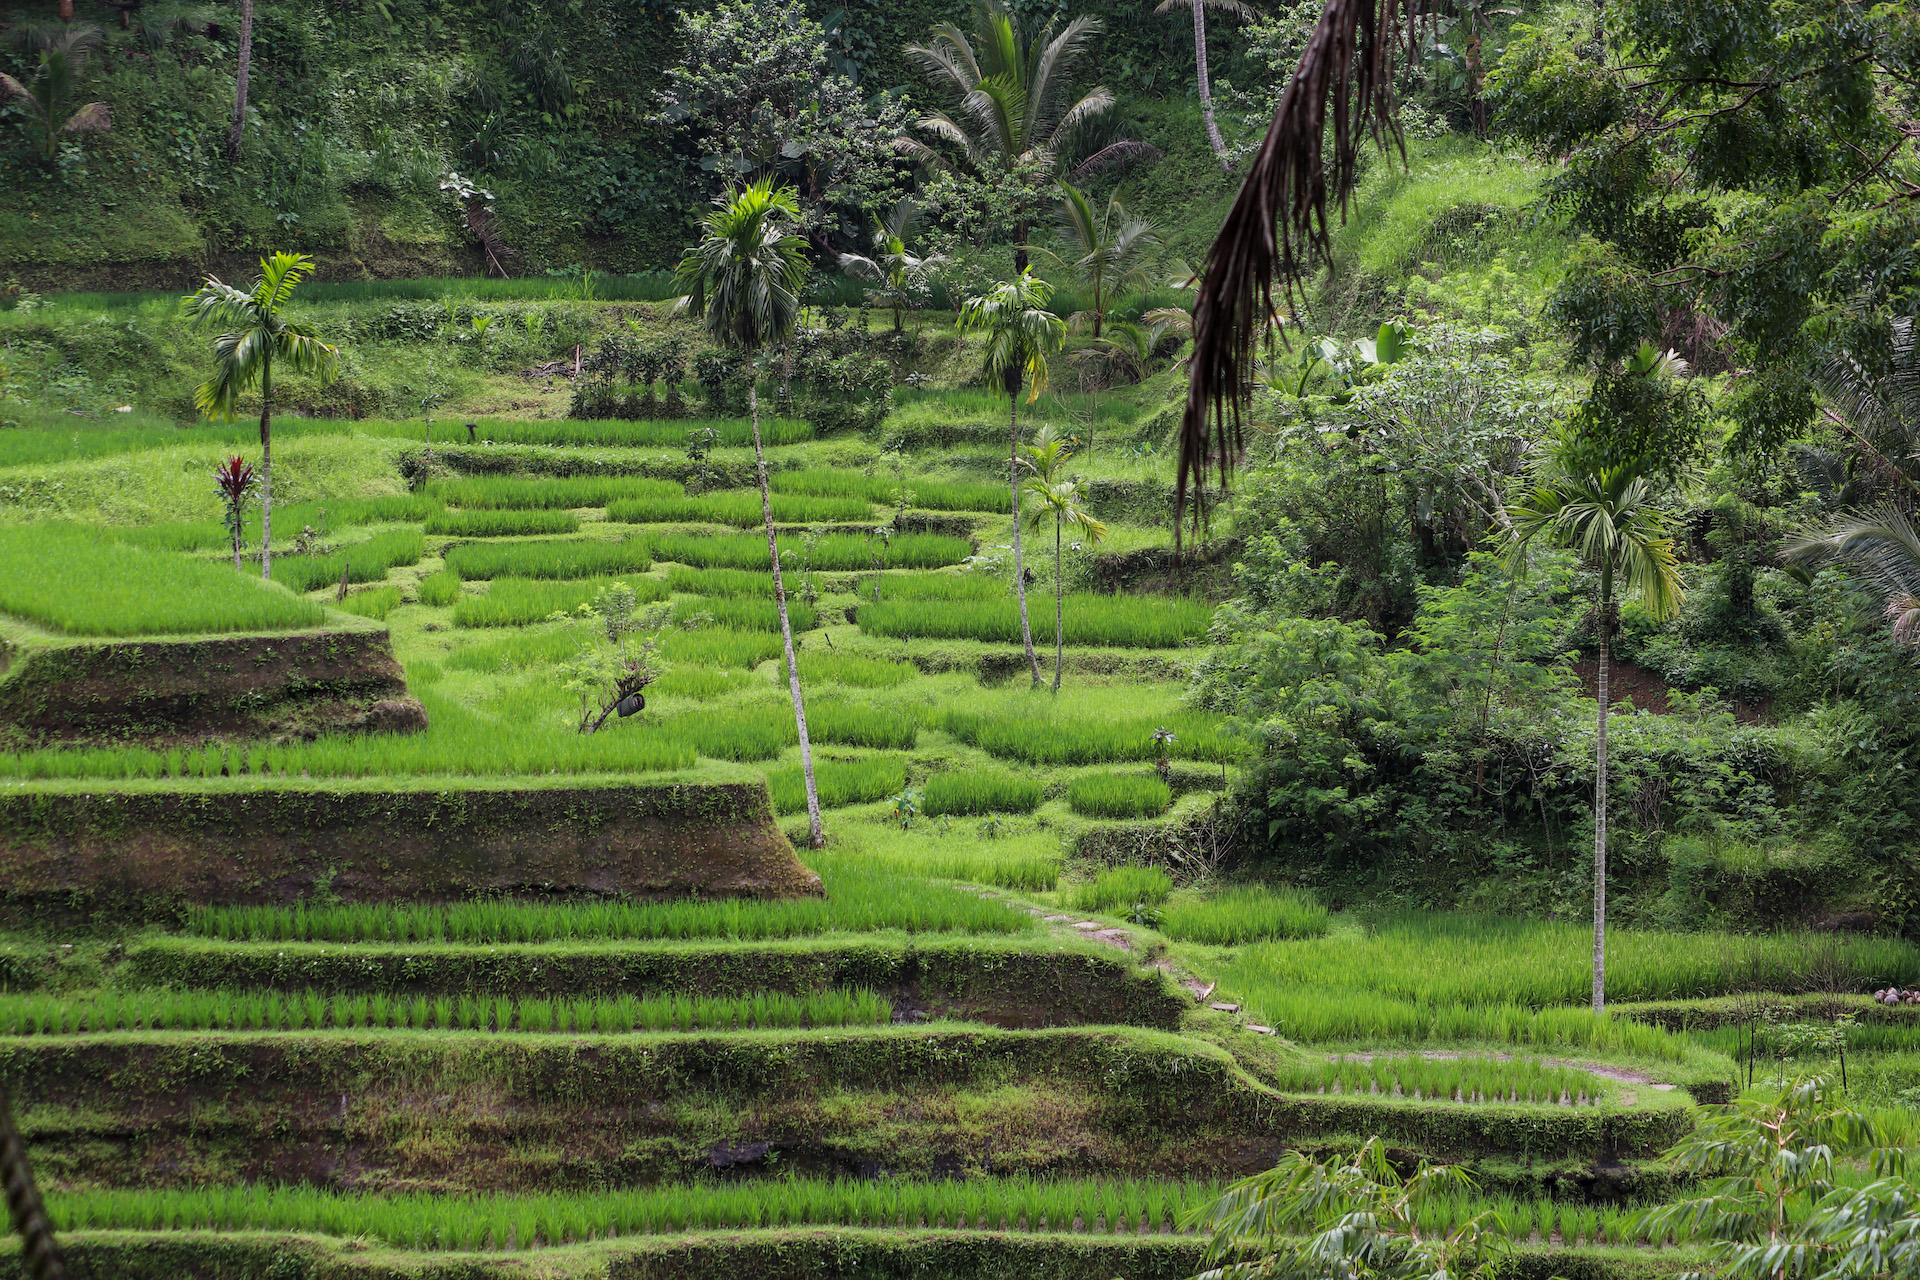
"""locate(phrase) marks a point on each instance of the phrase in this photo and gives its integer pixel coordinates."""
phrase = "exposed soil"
(1628, 682)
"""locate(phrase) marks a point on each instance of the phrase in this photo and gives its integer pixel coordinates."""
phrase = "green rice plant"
(1118, 888)
(1147, 622)
(840, 782)
(832, 552)
(1457, 1079)
(924, 493)
(1249, 913)
(977, 791)
(561, 558)
(860, 897)
(507, 493)
(855, 724)
(828, 666)
(515, 602)
(67, 578)
(289, 519)
(734, 433)
(1031, 872)
(1119, 795)
(376, 603)
(363, 562)
(735, 582)
(440, 589)
(702, 684)
(718, 647)
(763, 731)
(743, 613)
(1035, 732)
(932, 586)
(514, 652)
(738, 507)
(502, 523)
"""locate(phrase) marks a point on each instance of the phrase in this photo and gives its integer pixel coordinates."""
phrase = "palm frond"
(1047, 80)
(948, 56)
(1879, 544)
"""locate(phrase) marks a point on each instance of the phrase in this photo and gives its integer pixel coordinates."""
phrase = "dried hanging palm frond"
(1279, 220)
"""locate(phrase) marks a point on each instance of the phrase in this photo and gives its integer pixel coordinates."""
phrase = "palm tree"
(1108, 246)
(51, 89)
(900, 277)
(1021, 333)
(1014, 99)
(1608, 516)
(744, 279)
(1059, 498)
(1200, 8)
(1881, 545)
(39, 1253)
(258, 336)
(239, 124)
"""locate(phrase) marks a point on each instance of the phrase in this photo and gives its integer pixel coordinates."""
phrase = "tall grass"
(737, 507)
(734, 582)
(745, 614)
(70, 579)
(420, 1220)
(502, 523)
(1118, 888)
(1037, 734)
(557, 559)
(515, 602)
(840, 782)
(520, 739)
(979, 791)
(1119, 795)
(506, 493)
(219, 1010)
(922, 492)
(860, 897)
(363, 562)
(828, 666)
(1249, 913)
(1449, 1079)
(670, 433)
(1140, 622)
(833, 551)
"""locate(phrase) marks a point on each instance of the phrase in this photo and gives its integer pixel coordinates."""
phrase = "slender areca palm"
(1200, 8)
(1609, 518)
(39, 1253)
(258, 336)
(900, 276)
(1057, 498)
(744, 279)
(1021, 333)
(1016, 104)
(1109, 248)
(240, 74)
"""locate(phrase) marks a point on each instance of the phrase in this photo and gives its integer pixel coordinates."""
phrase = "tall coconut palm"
(1200, 8)
(39, 1253)
(239, 124)
(743, 279)
(1108, 249)
(1016, 104)
(1610, 519)
(1021, 333)
(900, 277)
(1058, 499)
(258, 336)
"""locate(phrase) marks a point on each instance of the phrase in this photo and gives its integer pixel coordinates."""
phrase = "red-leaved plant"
(236, 481)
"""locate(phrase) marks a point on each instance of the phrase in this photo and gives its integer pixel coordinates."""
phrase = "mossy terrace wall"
(185, 691)
(145, 852)
(461, 1111)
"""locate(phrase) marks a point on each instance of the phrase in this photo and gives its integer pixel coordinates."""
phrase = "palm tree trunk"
(266, 469)
(39, 1254)
(1206, 86)
(1059, 609)
(816, 836)
(1019, 564)
(240, 83)
(1600, 803)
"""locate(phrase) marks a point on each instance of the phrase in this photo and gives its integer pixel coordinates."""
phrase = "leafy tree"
(743, 278)
(1020, 334)
(1017, 111)
(1769, 1206)
(1199, 8)
(235, 479)
(258, 336)
(1057, 497)
(610, 670)
(1610, 518)
(901, 278)
(1355, 1217)
(50, 91)
(1108, 247)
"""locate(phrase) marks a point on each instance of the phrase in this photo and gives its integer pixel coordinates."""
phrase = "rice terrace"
(960, 639)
